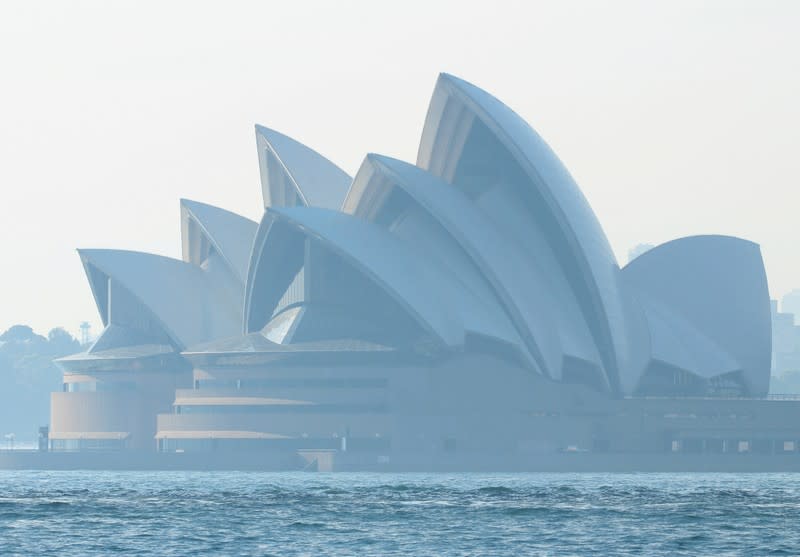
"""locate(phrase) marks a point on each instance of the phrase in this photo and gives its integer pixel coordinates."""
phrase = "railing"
(689, 397)
(783, 397)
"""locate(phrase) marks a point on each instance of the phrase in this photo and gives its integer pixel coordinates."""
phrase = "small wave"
(495, 491)
(447, 515)
(541, 511)
(305, 525)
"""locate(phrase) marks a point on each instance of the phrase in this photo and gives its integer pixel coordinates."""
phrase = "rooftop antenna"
(85, 328)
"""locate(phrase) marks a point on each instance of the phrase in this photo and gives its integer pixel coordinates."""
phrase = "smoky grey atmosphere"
(330, 278)
(462, 313)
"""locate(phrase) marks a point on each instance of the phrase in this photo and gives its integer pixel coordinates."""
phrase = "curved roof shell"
(435, 299)
(293, 174)
(487, 239)
(231, 236)
(551, 327)
(674, 341)
(573, 233)
(718, 285)
(178, 295)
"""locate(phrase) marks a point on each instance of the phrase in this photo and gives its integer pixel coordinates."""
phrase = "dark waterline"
(286, 514)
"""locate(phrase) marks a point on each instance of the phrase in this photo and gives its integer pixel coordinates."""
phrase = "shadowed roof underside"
(436, 300)
(176, 293)
(230, 234)
(575, 236)
(718, 285)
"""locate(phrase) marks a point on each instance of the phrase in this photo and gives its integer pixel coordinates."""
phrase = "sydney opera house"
(463, 311)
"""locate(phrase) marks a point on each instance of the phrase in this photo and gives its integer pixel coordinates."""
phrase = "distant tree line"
(28, 376)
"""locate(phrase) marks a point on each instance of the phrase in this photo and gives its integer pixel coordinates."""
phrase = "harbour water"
(294, 514)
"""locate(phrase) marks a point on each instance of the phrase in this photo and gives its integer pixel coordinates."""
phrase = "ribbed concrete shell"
(674, 341)
(532, 198)
(178, 295)
(716, 284)
(516, 282)
(230, 235)
(435, 298)
(293, 174)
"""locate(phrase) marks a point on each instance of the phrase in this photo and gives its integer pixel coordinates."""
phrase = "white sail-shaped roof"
(178, 295)
(553, 327)
(293, 174)
(674, 341)
(231, 235)
(486, 244)
(718, 285)
(523, 171)
(437, 301)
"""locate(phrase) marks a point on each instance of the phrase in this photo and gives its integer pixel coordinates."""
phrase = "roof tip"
(460, 84)
(450, 77)
(384, 160)
(85, 254)
(264, 130)
(271, 135)
(185, 202)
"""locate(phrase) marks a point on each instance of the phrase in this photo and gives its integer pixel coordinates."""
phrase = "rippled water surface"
(166, 513)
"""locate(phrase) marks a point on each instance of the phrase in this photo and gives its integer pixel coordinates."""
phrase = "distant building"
(467, 309)
(785, 341)
(790, 303)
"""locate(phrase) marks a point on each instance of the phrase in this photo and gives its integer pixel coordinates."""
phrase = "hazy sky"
(675, 118)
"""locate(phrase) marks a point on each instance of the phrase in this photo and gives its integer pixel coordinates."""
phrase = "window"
(744, 446)
(376, 408)
(99, 387)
